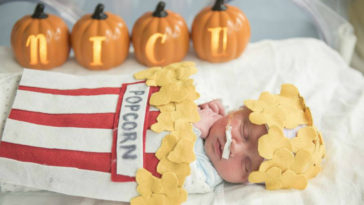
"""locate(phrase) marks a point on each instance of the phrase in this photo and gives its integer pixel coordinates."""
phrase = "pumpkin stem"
(39, 12)
(219, 6)
(99, 12)
(159, 10)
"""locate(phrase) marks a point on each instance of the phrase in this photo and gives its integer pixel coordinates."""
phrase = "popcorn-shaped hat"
(289, 162)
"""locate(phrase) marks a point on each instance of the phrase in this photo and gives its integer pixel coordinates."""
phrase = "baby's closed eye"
(244, 131)
(247, 165)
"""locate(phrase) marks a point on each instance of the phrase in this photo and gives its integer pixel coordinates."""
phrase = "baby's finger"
(204, 106)
(221, 109)
(214, 107)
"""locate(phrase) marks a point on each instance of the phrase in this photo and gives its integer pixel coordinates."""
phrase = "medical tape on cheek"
(226, 152)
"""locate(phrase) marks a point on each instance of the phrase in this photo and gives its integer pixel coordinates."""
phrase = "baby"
(243, 157)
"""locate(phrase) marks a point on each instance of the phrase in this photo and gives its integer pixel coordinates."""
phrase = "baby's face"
(244, 156)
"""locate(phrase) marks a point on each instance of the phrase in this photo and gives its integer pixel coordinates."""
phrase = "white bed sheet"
(334, 91)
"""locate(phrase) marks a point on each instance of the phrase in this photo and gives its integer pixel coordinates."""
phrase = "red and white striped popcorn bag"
(79, 135)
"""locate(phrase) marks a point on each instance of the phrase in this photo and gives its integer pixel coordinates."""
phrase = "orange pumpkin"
(101, 40)
(40, 41)
(160, 37)
(220, 33)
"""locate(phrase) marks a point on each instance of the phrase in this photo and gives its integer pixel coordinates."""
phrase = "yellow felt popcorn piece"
(147, 73)
(185, 73)
(182, 170)
(303, 160)
(290, 180)
(170, 107)
(273, 178)
(294, 107)
(312, 171)
(304, 139)
(265, 165)
(275, 139)
(175, 91)
(283, 158)
(139, 200)
(294, 117)
(183, 70)
(308, 116)
(272, 116)
(170, 188)
(164, 77)
(160, 191)
(145, 182)
(180, 197)
(253, 105)
(167, 145)
(188, 111)
(318, 154)
(322, 151)
(257, 177)
(164, 122)
(194, 96)
(182, 152)
(170, 183)
(183, 128)
(151, 82)
(181, 90)
(321, 140)
(159, 98)
(289, 90)
(265, 101)
(155, 199)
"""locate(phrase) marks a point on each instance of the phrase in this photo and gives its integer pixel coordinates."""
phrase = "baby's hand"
(214, 105)
(209, 113)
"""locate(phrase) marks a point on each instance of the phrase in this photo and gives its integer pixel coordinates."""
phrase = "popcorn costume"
(132, 163)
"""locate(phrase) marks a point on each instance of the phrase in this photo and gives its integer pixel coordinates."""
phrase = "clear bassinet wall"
(270, 19)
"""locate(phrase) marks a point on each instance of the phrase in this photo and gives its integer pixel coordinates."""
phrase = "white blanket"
(333, 91)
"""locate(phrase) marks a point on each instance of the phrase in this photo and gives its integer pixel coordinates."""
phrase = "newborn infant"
(243, 157)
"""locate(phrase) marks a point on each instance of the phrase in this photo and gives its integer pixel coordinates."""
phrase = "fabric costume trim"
(175, 100)
(289, 163)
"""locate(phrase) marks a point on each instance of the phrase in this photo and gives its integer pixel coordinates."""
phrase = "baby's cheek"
(230, 170)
